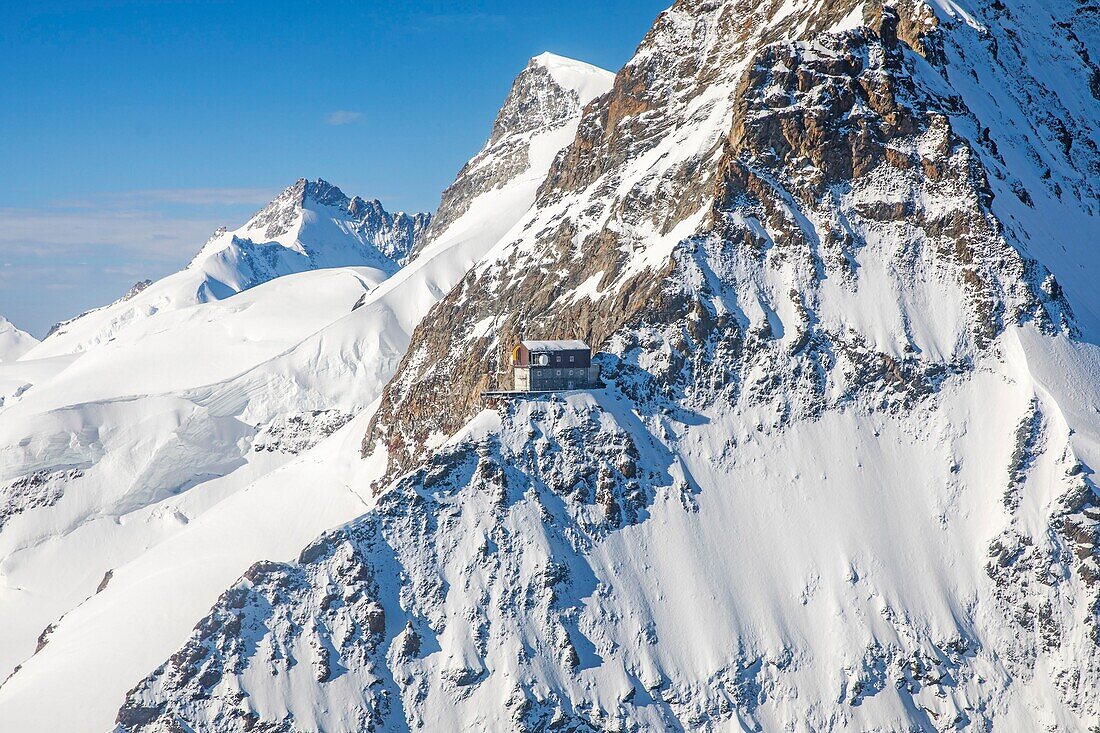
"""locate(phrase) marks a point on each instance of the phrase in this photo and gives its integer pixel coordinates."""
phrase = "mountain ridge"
(395, 235)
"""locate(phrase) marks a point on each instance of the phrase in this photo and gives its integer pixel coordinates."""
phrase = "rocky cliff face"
(789, 156)
(841, 477)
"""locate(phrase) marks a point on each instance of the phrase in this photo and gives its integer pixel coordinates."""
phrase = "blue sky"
(133, 129)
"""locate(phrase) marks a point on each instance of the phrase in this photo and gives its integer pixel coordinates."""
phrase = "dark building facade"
(540, 366)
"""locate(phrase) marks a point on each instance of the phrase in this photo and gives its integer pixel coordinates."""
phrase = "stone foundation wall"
(535, 379)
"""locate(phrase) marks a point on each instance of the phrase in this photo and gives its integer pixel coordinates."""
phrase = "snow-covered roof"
(560, 345)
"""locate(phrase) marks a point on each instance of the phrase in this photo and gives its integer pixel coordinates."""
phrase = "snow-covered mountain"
(311, 225)
(147, 460)
(316, 221)
(840, 259)
(13, 342)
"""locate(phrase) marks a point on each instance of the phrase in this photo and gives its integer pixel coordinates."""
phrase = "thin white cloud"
(65, 257)
(155, 223)
(343, 117)
(183, 196)
(57, 233)
(208, 196)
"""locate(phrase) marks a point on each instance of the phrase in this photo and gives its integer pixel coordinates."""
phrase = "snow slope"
(88, 460)
(149, 494)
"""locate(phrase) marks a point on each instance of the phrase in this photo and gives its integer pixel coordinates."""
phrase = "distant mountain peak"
(281, 222)
(13, 341)
(279, 239)
(319, 191)
(277, 218)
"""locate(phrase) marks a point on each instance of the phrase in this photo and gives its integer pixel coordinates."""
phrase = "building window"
(557, 359)
(572, 358)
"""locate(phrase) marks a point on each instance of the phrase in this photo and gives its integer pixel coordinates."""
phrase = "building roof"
(568, 345)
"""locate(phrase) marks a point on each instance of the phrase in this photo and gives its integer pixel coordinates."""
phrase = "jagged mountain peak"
(358, 207)
(546, 98)
(275, 219)
(319, 191)
(310, 225)
(365, 224)
(549, 89)
(279, 217)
